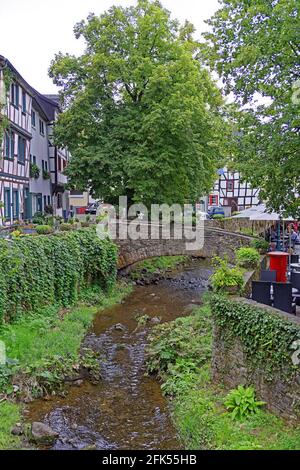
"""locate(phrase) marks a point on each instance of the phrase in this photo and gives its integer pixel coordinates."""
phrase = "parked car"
(216, 210)
(92, 208)
(202, 215)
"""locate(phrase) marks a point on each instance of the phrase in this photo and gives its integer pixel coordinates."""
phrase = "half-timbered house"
(15, 151)
(28, 144)
(232, 193)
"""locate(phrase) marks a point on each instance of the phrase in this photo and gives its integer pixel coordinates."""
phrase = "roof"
(49, 104)
(6, 63)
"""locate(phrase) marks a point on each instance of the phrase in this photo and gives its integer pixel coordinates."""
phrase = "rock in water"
(42, 433)
(155, 320)
(17, 430)
(119, 327)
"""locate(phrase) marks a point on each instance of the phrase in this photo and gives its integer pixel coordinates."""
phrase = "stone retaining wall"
(231, 365)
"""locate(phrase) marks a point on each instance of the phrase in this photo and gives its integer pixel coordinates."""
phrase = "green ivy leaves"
(40, 270)
(266, 337)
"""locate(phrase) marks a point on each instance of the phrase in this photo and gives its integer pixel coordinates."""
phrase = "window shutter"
(19, 147)
(12, 145)
(7, 144)
(17, 95)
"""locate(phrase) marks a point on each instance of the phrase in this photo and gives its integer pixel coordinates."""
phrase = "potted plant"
(46, 174)
(225, 278)
(34, 171)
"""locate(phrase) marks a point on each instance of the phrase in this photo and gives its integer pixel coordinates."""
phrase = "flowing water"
(126, 410)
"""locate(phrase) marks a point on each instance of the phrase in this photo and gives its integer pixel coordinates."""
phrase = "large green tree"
(254, 45)
(142, 117)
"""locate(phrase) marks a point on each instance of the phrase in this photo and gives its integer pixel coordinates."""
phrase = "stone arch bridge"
(216, 242)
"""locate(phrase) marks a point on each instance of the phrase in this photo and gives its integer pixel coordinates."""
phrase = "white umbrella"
(248, 213)
(269, 216)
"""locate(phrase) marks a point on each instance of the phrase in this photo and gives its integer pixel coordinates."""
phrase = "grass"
(155, 265)
(9, 416)
(42, 349)
(179, 353)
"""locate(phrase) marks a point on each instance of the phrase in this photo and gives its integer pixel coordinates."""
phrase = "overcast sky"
(32, 31)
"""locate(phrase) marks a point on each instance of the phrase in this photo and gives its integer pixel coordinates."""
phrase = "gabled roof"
(6, 63)
(49, 104)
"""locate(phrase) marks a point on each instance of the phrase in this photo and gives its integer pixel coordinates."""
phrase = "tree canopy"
(142, 116)
(254, 45)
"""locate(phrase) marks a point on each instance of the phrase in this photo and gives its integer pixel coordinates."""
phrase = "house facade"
(57, 157)
(15, 151)
(40, 182)
(231, 193)
(31, 165)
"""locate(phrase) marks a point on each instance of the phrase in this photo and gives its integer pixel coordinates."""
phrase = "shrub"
(85, 224)
(16, 233)
(218, 216)
(43, 229)
(38, 218)
(247, 257)
(65, 227)
(49, 209)
(226, 278)
(241, 402)
(37, 271)
(260, 244)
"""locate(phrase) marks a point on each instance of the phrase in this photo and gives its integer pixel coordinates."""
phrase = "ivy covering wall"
(41, 270)
(266, 337)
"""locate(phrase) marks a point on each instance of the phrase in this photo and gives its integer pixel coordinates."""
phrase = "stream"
(126, 410)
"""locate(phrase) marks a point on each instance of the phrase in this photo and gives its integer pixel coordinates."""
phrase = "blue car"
(215, 211)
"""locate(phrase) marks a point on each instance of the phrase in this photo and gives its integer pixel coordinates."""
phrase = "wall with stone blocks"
(231, 367)
(216, 243)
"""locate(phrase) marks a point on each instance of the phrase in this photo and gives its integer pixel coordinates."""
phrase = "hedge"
(40, 270)
(266, 336)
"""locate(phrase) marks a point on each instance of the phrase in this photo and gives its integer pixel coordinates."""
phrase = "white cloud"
(32, 31)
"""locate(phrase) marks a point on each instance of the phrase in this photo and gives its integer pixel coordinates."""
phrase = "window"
(7, 204)
(59, 164)
(9, 148)
(34, 159)
(46, 165)
(213, 200)
(33, 118)
(15, 204)
(45, 201)
(23, 101)
(49, 201)
(42, 130)
(7, 145)
(230, 185)
(14, 94)
(21, 149)
(59, 201)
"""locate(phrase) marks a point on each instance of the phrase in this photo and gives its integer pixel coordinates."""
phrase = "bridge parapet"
(216, 242)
